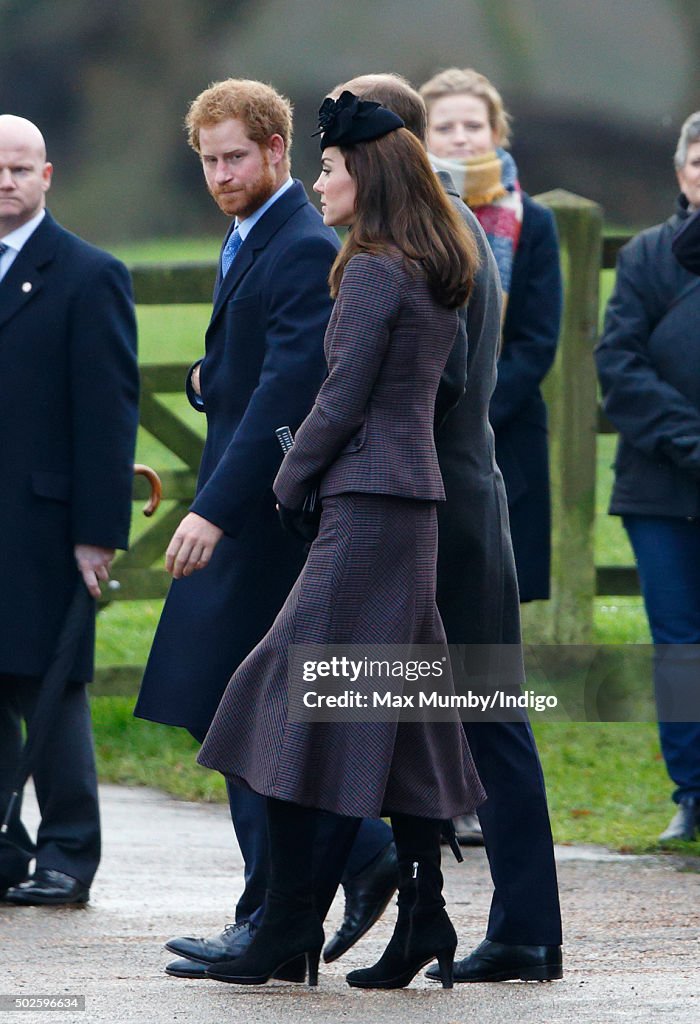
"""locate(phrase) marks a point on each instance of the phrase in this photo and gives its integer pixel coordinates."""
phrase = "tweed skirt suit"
(370, 574)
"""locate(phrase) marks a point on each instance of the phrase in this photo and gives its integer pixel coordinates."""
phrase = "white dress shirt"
(17, 239)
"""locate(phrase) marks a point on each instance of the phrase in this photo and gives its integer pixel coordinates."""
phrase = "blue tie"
(230, 249)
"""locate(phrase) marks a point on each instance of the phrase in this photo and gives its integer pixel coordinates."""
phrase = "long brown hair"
(400, 202)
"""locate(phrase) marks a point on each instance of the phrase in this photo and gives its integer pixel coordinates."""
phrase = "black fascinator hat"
(348, 120)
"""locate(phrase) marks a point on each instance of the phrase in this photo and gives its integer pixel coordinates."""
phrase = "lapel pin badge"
(27, 286)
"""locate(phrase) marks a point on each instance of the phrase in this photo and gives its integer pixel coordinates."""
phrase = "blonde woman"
(468, 136)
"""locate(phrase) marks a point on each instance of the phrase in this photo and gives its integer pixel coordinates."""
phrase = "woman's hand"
(295, 521)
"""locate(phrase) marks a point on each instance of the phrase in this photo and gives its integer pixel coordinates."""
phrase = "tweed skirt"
(369, 579)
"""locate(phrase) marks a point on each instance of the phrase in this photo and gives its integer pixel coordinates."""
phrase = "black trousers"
(517, 834)
(65, 778)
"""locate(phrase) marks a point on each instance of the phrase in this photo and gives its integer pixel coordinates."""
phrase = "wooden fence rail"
(575, 422)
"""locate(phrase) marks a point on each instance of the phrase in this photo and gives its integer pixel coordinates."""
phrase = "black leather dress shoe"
(232, 942)
(496, 961)
(197, 971)
(228, 944)
(366, 899)
(183, 968)
(48, 888)
(685, 823)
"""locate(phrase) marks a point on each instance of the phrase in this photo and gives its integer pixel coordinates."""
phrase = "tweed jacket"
(371, 427)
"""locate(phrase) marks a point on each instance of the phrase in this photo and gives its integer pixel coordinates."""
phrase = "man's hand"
(94, 564)
(194, 380)
(192, 546)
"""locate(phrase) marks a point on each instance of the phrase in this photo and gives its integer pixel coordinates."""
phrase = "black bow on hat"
(348, 120)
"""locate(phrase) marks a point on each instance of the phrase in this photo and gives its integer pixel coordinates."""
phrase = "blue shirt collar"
(247, 225)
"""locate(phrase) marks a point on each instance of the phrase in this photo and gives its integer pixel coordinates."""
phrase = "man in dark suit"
(68, 428)
(232, 564)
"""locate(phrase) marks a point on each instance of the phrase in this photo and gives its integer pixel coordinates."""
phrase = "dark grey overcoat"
(477, 591)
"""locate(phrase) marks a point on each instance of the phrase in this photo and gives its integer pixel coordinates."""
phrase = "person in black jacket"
(68, 424)
(468, 136)
(649, 366)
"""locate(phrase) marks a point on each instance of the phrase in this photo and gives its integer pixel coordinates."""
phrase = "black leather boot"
(290, 929)
(423, 930)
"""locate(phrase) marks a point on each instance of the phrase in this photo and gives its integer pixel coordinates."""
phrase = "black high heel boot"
(423, 930)
(290, 928)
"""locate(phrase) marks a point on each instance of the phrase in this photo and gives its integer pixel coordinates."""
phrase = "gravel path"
(632, 937)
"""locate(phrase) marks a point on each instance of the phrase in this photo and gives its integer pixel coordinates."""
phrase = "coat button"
(27, 286)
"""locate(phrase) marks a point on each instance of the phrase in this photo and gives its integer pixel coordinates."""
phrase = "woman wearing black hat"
(405, 267)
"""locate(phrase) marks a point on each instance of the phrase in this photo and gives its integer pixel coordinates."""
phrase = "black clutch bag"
(304, 523)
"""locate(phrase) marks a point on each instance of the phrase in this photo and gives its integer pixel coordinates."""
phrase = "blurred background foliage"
(598, 89)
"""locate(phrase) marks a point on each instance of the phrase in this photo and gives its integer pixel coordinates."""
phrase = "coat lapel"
(268, 225)
(448, 184)
(24, 279)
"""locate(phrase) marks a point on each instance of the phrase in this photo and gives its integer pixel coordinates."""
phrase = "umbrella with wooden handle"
(14, 857)
(156, 487)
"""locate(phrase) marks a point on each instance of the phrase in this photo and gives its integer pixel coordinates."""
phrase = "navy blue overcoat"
(263, 366)
(517, 411)
(68, 420)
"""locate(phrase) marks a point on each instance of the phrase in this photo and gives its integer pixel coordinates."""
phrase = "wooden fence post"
(571, 395)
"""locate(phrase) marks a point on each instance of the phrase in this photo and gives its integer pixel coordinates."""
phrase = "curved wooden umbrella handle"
(156, 487)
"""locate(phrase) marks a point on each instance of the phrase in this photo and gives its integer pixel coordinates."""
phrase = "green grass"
(138, 753)
(606, 782)
(169, 250)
